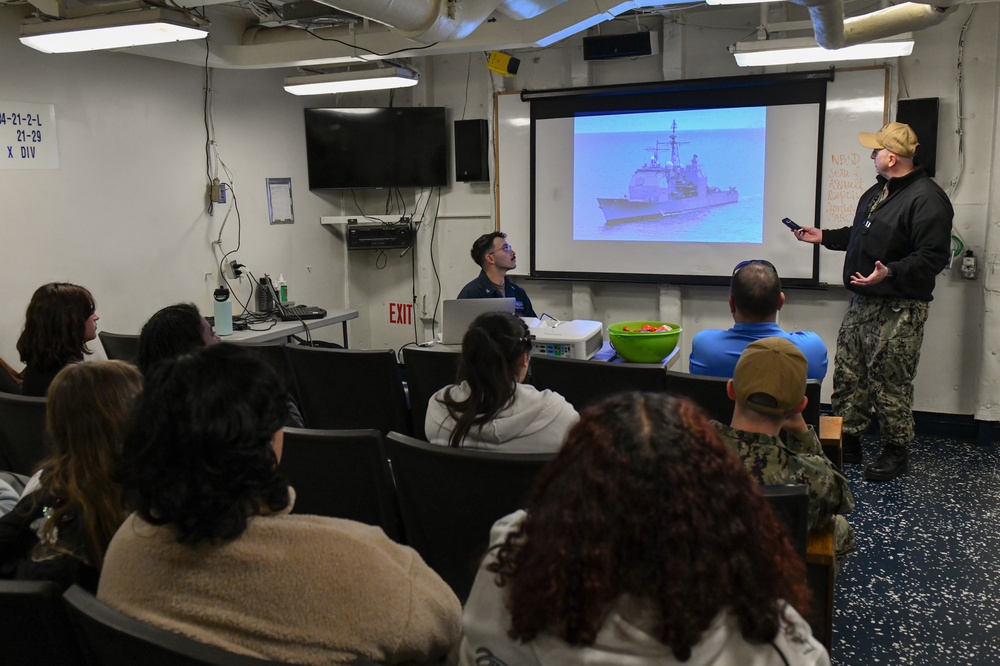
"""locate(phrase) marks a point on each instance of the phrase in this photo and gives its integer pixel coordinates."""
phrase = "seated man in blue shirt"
(755, 297)
(493, 254)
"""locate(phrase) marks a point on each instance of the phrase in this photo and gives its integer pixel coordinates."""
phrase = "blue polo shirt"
(714, 352)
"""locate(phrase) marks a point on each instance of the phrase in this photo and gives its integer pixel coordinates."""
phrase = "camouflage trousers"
(878, 348)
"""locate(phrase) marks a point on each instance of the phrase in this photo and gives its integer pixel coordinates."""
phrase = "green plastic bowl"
(640, 347)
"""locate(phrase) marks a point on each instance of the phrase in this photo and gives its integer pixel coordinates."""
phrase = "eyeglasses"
(503, 248)
(746, 263)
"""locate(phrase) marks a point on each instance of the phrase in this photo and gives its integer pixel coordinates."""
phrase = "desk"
(286, 329)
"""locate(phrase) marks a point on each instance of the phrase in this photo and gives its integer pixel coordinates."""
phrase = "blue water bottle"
(223, 312)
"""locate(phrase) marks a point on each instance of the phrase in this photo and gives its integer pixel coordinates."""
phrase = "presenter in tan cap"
(899, 242)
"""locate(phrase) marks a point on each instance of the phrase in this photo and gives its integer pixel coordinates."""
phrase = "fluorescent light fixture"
(383, 78)
(737, 2)
(805, 50)
(112, 31)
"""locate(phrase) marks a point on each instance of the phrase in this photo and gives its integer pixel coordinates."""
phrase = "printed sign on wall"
(28, 138)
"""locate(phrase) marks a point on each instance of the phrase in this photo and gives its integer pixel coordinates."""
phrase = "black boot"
(889, 465)
(851, 450)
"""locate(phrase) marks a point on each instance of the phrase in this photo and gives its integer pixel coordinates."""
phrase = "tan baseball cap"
(897, 137)
(770, 376)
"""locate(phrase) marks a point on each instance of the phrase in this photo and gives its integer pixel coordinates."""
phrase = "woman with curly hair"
(172, 331)
(644, 541)
(72, 507)
(59, 322)
(491, 407)
(214, 553)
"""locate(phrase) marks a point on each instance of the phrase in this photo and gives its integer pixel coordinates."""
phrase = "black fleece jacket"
(910, 232)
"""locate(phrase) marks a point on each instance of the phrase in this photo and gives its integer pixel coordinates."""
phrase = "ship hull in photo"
(625, 210)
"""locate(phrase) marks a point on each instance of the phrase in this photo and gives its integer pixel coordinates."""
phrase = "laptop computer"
(458, 313)
(290, 311)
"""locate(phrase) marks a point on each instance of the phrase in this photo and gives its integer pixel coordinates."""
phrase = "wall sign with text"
(28, 137)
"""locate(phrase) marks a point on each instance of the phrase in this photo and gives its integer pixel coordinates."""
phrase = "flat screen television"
(376, 147)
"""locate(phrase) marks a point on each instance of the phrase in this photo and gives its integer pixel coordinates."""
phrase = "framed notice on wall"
(28, 137)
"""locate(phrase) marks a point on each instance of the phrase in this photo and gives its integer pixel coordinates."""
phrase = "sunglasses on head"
(743, 264)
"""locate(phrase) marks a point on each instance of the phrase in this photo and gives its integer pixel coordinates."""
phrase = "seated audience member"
(214, 553)
(60, 529)
(755, 298)
(59, 322)
(491, 408)
(769, 388)
(494, 256)
(180, 329)
(644, 541)
(172, 331)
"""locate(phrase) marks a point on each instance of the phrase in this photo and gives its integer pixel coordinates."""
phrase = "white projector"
(579, 338)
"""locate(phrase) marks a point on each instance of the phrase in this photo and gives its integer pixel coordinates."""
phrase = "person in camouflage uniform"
(769, 388)
(899, 241)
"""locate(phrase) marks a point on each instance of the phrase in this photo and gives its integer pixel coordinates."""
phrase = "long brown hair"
(54, 325)
(85, 416)
(644, 500)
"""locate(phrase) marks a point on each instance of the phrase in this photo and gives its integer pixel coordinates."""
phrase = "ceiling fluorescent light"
(805, 50)
(340, 82)
(737, 2)
(112, 31)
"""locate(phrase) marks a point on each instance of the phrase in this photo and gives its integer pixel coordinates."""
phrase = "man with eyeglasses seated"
(755, 297)
(494, 256)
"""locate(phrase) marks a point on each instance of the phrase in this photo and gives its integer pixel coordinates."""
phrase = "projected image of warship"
(660, 190)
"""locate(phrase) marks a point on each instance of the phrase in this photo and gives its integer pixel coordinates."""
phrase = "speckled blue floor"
(923, 587)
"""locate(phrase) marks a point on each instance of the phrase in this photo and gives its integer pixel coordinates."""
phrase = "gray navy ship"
(661, 190)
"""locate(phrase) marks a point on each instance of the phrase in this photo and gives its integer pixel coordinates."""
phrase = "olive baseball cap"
(770, 376)
(897, 137)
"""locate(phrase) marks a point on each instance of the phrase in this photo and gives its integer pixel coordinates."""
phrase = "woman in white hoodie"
(491, 408)
(644, 543)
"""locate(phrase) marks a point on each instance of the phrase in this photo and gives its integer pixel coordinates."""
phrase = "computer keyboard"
(297, 312)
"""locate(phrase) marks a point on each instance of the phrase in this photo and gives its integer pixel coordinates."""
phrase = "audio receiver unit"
(378, 236)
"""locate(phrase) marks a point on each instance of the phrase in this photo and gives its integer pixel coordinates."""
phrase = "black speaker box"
(629, 45)
(922, 115)
(472, 147)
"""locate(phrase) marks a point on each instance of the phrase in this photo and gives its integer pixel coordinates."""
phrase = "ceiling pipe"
(424, 21)
(834, 32)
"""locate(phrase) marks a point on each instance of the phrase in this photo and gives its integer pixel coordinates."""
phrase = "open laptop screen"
(458, 313)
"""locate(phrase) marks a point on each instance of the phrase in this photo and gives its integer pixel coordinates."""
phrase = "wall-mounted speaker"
(628, 45)
(472, 147)
(922, 115)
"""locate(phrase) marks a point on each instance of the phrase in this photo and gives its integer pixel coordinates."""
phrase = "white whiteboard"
(856, 102)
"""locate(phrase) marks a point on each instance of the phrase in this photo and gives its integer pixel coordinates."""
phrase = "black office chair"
(790, 503)
(111, 638)
(348, 389)
(35, 628)
(23, 443)
(450, 497)
(341, 474)
(427, 372)
(120, 346)
(583, 383)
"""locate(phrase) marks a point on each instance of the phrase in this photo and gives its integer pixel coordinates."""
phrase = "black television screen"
(376, 147)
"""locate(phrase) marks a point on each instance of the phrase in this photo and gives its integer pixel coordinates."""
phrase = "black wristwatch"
(890, 275)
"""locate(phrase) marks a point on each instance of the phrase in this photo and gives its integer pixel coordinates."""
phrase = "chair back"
(111, 638)
(427, 372)
(348, 389)
(23, 443)
(449, 499)
(341, 474)
(34, 628)
(710, 394)
(273, 353)
(120, 346)
(584, 382)
(790, 503)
